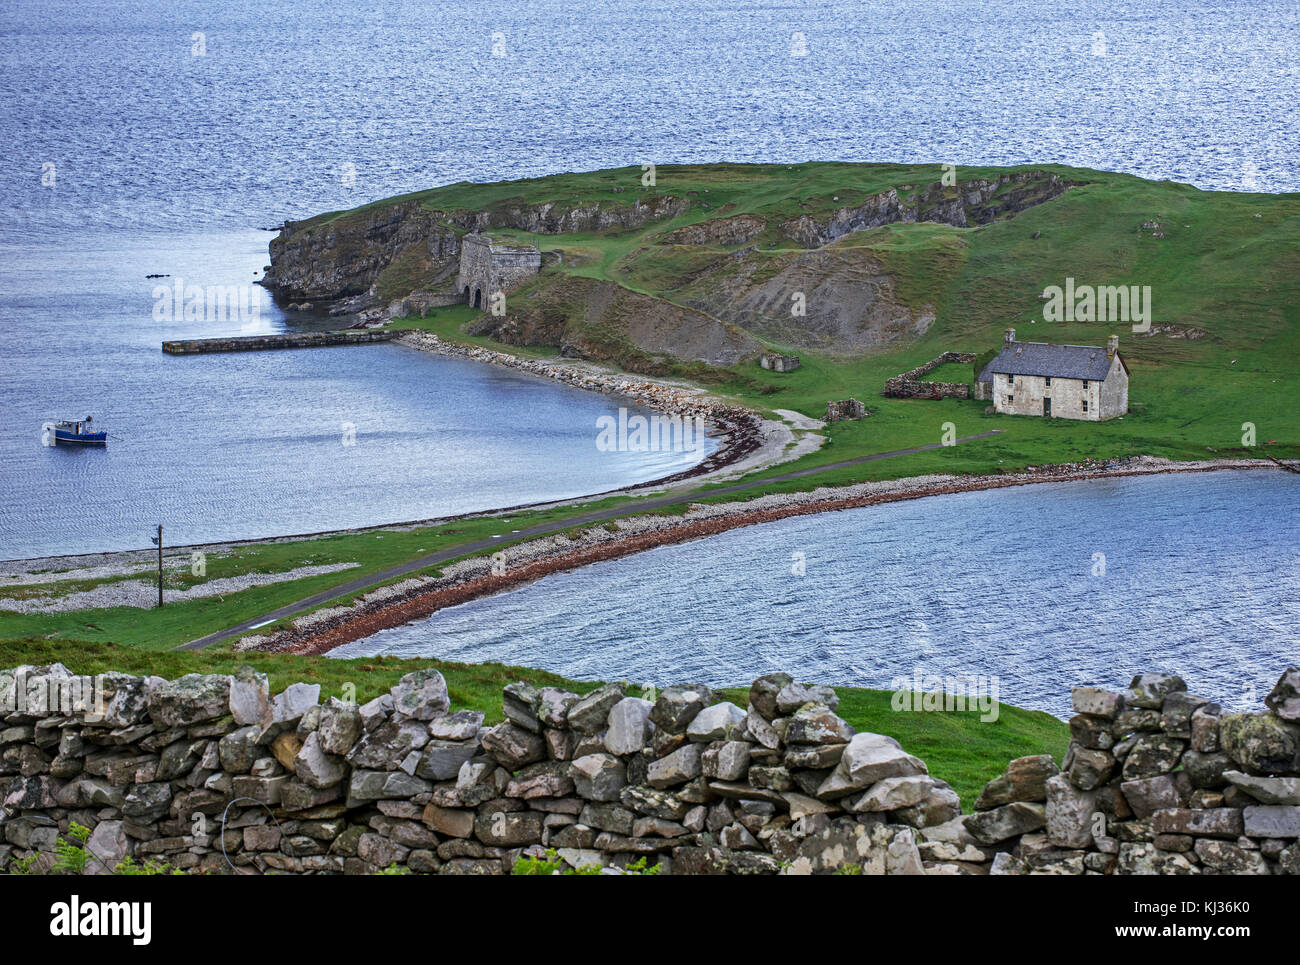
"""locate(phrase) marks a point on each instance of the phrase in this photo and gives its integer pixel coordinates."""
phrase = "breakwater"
(260, 343)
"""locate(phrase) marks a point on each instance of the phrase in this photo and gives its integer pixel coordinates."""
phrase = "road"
(541, 529)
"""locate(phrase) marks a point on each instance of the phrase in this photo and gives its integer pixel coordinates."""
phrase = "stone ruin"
(779, 363)
(490, 265)
(911, 385)
(845, 409)
(212, 774)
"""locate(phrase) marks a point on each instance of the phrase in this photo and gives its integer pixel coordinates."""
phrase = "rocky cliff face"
(414, 247)
(606, 322)
(319, 259)
(964, 205)
(849, 304)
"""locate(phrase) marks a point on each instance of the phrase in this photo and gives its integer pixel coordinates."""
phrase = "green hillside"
(1223, 270)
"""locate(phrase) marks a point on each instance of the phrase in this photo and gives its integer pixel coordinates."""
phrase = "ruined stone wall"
(182, 771)
(487, 267)
(845, 409)
(779, 363)
(912, 385)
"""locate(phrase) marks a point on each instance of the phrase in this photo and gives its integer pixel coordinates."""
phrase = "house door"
(1047, 407)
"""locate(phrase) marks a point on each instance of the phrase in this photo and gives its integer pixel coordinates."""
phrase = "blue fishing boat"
(80, 433)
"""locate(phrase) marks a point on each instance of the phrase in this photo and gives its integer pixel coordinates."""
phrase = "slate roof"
(1059, 361)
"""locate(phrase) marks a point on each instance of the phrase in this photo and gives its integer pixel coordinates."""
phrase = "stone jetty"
(259, 343)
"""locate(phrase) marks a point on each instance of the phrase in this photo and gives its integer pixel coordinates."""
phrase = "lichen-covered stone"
(1150, 689)
(598, 777)
(339, 726)
(1261, 743)
(763, 693)
(628, 726)
(421, 694)
(1007, 821)
(1025, 779)
(1153, 754)
(816, 723)
(189, 700)
(590, 713)
(866, 759)
(1266, 790)
(718, 722)
(513, 747)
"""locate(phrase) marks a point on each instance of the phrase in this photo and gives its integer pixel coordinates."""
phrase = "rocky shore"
(512, 566)
(662, 397)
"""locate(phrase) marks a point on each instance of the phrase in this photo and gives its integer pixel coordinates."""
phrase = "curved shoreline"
(746, 442)
(322, 631)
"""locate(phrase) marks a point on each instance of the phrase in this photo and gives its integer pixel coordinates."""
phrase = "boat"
(75, 433)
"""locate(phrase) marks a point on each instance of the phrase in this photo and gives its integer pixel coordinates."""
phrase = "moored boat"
(76, 433)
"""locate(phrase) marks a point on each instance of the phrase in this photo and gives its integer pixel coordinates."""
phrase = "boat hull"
(64, 438)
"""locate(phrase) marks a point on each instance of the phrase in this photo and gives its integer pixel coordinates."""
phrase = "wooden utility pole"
(158, 539)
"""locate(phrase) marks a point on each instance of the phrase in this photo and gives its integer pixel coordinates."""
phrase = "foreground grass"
(958, 747)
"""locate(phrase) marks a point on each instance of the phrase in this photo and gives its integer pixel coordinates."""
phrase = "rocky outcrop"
(210, 773)
(963, 205)
(405, 246)
(333, 257)
(605, 322)
(838, 300)
(737, 230)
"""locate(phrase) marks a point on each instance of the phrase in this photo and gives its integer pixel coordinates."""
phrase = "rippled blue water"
(126, 155)
(251, 444)
(259, 128)
(1200, 576)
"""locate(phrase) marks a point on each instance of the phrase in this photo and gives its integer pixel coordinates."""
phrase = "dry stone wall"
(845, 409)
(214, 774)
(912, 385)
(1155, 781)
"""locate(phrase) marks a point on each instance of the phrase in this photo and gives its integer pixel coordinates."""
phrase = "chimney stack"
(1112, 346)
(1011, 336)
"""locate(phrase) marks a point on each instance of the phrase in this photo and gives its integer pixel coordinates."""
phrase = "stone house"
(1062, 381)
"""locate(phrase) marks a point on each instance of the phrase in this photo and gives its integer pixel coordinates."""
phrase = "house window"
(1010, 399)
(1085, 405)
(1085, 387)
(1011, 380)
(1048, 381)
